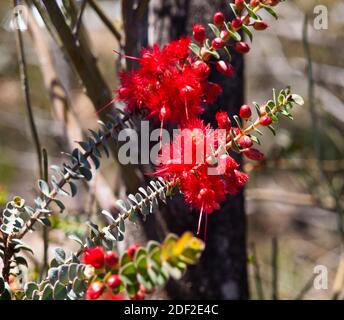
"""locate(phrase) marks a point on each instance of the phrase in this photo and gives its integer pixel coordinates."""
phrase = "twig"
(37, 214)
(79, 18)
(26, 89)
(339, 279)
(105, 19)
(306, 288)
(45, 228)
(257, 276)
(97, 89)
(274, 267)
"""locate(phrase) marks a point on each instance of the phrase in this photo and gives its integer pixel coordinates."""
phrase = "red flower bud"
(219, 18)
(253, 154)
(260, 25)
(245, 112)
(225, 68)
(138, 296)
(198, 32)
(272, 3)
(265, 121)
(95, 290)
(94, 257)
(237, 23)
(242, 47)
(254, 3)
(111, 258)
(223, 121)
(114, 281)
(245, 142)
(240, 4)
(236, 131)
(202, 69)
(132, 249)
(218, 43)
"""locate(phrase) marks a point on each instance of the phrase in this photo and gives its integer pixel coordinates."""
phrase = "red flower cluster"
(107, 283)
(172, 85)
(186, 160)
(169, 83)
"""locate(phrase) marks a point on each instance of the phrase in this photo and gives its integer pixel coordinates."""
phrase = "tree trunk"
(221, 273)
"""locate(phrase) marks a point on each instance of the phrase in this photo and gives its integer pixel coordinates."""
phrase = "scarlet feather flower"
(223, 121)
(94, 257)
(185, 161)
(170, 84)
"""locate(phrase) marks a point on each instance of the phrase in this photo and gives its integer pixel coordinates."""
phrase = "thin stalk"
(257, 275)
(102, 16)
(274, 267)
(26, 89)
(45, 228)
(79, 18)
(308, 286)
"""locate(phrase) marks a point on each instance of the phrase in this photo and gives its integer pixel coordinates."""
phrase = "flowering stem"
(127, 213)
(38, 213)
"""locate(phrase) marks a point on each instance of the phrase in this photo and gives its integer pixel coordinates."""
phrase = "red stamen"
(160, 135)
(200, 221)
(126, 56)
(186, 109)
(105, 107)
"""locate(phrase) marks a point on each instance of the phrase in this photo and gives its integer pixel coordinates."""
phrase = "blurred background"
(294, 201)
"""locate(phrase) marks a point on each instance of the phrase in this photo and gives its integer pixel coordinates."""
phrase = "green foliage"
(151, 266)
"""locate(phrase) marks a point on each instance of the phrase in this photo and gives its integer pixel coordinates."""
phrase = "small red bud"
(242, 47)
(198, 32)
(114, 281)
(240, 4)
(260, 25)
(219, 19)
(237, 23)
(138, 296)
(236, 131)
(254, 3)
(95, 290)
(253, 154)
(218, 43)
(245, 112)
(272, 3)
(111, 258)
(225, 68)
(265, 121)
(132, 249)
(245, 142)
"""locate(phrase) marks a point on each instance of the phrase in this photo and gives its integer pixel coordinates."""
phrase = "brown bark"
(221, 273)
